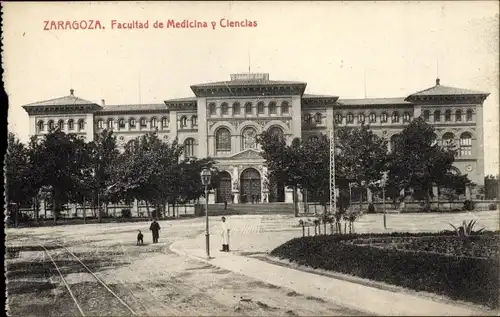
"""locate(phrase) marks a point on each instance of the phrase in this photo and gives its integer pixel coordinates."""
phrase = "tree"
(491, 188)
(18, 186)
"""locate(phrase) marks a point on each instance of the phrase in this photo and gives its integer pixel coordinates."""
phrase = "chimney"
(72, 92)
(437, 81)
(103, 102)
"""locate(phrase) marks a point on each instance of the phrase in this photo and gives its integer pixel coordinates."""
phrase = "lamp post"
(205, 180)
(383, 183)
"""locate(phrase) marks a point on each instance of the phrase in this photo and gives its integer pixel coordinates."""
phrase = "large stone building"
(223, 118)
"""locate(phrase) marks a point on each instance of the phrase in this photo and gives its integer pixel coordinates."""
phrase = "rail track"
(82, 302)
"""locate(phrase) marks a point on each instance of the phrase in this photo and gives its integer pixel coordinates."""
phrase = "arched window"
(285, 108)
(164, 122)
(100, 124)
(71, 124)
(469, 115)
(121, 123)
(260, 107)
(338, 118)
(153, 122)
(143, 122)
(427, 115)
(361, 117)
(395, 117)
(437, 116)
(224, 108)
(189, 148)
(41, 125)
(60, 124)
(448, 138)
(350, 118)
(465, 144)
(272, 108)
(313, 138)
(458, 115)
(81, 124)
(406, 117)
(51, 125)
(276, 132)
(248, 108)
(110, 124)
(183, 122)
(131, 122)
(383, 117)
(317, 118)
(194, 121)
(372, 117)
(249, 136)
(223, 140)
(395, 139)
(212, 109)
(307, 118)
(447, 115)
(236, 108)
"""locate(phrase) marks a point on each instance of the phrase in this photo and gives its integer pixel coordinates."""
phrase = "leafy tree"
(18, 183)
(491, 187)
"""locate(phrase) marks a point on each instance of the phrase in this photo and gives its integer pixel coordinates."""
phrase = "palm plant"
(466, 229)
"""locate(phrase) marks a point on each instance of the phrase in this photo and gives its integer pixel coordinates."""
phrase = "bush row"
(465, 278)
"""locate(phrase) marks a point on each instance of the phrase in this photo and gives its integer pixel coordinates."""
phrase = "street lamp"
(205, 180)
(383, 182)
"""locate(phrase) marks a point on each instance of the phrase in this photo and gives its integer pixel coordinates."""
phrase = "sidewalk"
(351, 295)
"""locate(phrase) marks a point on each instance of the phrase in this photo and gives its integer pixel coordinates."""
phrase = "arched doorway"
(224, 190)
(250, 185)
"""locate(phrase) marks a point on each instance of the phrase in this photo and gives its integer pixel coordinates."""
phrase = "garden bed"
(464, 268)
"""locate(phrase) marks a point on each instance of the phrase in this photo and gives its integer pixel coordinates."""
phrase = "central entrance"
(224, 190)
(250, 186)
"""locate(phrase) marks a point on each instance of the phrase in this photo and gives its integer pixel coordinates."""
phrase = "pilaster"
(173, 125)
(479, 146)
(32, 125)
(202, 127)
(89, 123)
(296, 117)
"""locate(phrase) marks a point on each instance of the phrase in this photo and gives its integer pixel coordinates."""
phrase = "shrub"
(492, 207)
(459, 277)
(469, 205)
(126, 213)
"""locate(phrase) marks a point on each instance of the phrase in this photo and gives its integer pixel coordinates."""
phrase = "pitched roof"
(373, 101)
(134, 107)
(440, 90)
(311, 96)
(68, 100)
(185, 99)
(250, 82)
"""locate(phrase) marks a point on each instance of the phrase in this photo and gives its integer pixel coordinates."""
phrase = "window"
(285, 108)
(153, 123)
(260, 108)
(100, 124)
(164, 122)
(236, 108)
(406, 117)
(458, 115)
(469, 115)
(448, 140)
(447, 115)
(361, 117)
(224, 108)
(249, 136)
(60, 125)
(189, 147)
(383, 117)
(465, 144)
(121, 123)
(272, 108)
(338, 118)
(372, 117)
(248, 108)
(427, 115)
(143, 123)
(211, 109)
(223, 140)
(350, 118)
(81, 124)
(183, 122)
(317, 118)
(437, 116)
(131, 122)
(194, 121)
(110, 124)
(71, 124)
(395, 117)
(41, 126)
(307, 118)
(276, 132)
(51, 125)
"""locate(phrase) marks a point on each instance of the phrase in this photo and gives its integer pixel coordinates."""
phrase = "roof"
(440, 90)
(373, 101)
(68, 100)
(249, 82)
(185, 99)
(311, 96)
(134, 107)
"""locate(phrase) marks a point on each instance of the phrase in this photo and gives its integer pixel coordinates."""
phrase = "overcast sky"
(326, 44)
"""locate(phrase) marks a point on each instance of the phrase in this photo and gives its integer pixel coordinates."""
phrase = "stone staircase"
(250, 209)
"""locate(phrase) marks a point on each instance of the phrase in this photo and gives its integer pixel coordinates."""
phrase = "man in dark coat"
(155, 229)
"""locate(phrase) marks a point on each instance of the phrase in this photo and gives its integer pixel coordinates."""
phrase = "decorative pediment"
(249, 154)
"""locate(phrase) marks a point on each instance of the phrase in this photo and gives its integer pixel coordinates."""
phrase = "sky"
(402, 47)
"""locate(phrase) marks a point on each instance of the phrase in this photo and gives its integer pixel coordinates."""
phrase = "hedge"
(474, 279)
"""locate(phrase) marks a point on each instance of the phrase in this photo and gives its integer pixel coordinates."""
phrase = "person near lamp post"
(225, 235)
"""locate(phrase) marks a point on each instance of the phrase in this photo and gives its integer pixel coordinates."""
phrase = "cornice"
(249, 90)
(62, 109)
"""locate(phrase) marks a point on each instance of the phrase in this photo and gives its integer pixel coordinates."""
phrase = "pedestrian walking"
(225, 204)
(155, 229)
(225, 235)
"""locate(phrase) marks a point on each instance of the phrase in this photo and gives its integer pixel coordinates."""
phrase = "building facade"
(223, 118)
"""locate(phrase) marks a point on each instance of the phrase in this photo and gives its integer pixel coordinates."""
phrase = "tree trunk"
(147, 210)
(99, 214)
(37, 210)
(54, 208)
(84, 212)
(295, 203)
